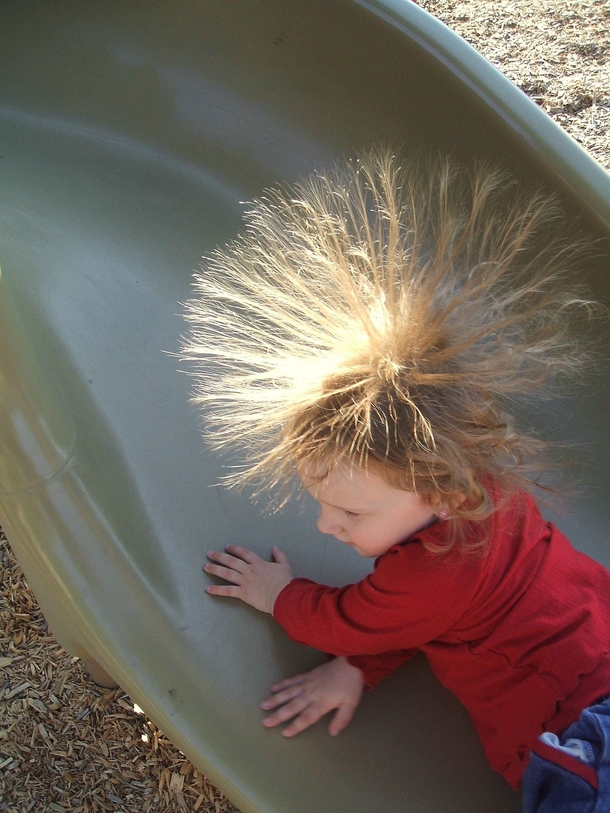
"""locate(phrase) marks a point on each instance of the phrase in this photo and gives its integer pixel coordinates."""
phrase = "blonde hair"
(387, 317)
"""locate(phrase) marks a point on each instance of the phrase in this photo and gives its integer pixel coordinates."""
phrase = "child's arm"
(250, 578)
(306, 698)
(410, 598)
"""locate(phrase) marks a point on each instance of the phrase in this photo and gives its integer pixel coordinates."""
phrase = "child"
(372, 332)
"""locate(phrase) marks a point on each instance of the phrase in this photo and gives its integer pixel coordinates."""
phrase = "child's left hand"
(251, 578)
(305, 698)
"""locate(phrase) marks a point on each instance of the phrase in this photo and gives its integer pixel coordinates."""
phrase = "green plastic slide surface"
(129, 133)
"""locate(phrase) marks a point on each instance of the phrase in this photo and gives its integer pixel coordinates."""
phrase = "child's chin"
(365, 553)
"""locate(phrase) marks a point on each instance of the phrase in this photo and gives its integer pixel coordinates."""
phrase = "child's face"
(360, 508)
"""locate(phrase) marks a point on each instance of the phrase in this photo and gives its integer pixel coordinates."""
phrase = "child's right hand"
(250, 578)
(306, 698)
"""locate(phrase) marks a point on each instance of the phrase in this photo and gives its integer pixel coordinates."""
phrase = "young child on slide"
(371, 333)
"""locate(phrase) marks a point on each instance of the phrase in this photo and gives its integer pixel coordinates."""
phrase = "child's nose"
(327, 524)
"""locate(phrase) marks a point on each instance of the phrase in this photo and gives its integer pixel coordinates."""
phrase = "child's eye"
(351, 514)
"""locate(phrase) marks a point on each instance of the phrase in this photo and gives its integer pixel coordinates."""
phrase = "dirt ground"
(67, 745)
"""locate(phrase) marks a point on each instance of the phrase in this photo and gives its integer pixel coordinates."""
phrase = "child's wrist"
(277, 592)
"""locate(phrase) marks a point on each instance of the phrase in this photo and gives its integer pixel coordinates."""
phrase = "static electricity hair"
(386, 317)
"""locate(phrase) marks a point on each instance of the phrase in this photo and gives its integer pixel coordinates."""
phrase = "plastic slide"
(130, 132)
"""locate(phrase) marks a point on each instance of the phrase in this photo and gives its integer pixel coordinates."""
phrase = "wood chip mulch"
(556, 51)
(66, 744)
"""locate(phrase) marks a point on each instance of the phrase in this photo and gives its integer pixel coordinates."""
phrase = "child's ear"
(456, 500)
(439, 506)
(444, 507)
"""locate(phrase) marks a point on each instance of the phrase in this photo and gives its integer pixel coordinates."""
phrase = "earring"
(443, 513)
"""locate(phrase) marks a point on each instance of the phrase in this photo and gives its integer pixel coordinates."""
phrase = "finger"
(224, 590)
(245, 554)
(286, 712)
(291, 681)
(226, 559)
(282, 697)
(341, 719)
(279, 556)
(225, 573)
(307, 718)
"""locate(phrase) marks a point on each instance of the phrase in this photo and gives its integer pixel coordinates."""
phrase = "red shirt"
(521, 634)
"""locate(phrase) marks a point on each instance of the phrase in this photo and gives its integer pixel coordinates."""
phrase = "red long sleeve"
(411, 597)
(377, 667)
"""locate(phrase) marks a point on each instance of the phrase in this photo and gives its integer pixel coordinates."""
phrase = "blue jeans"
(571, 773)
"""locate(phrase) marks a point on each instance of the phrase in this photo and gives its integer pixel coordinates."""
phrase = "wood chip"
(18, 689)
(36, 704)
